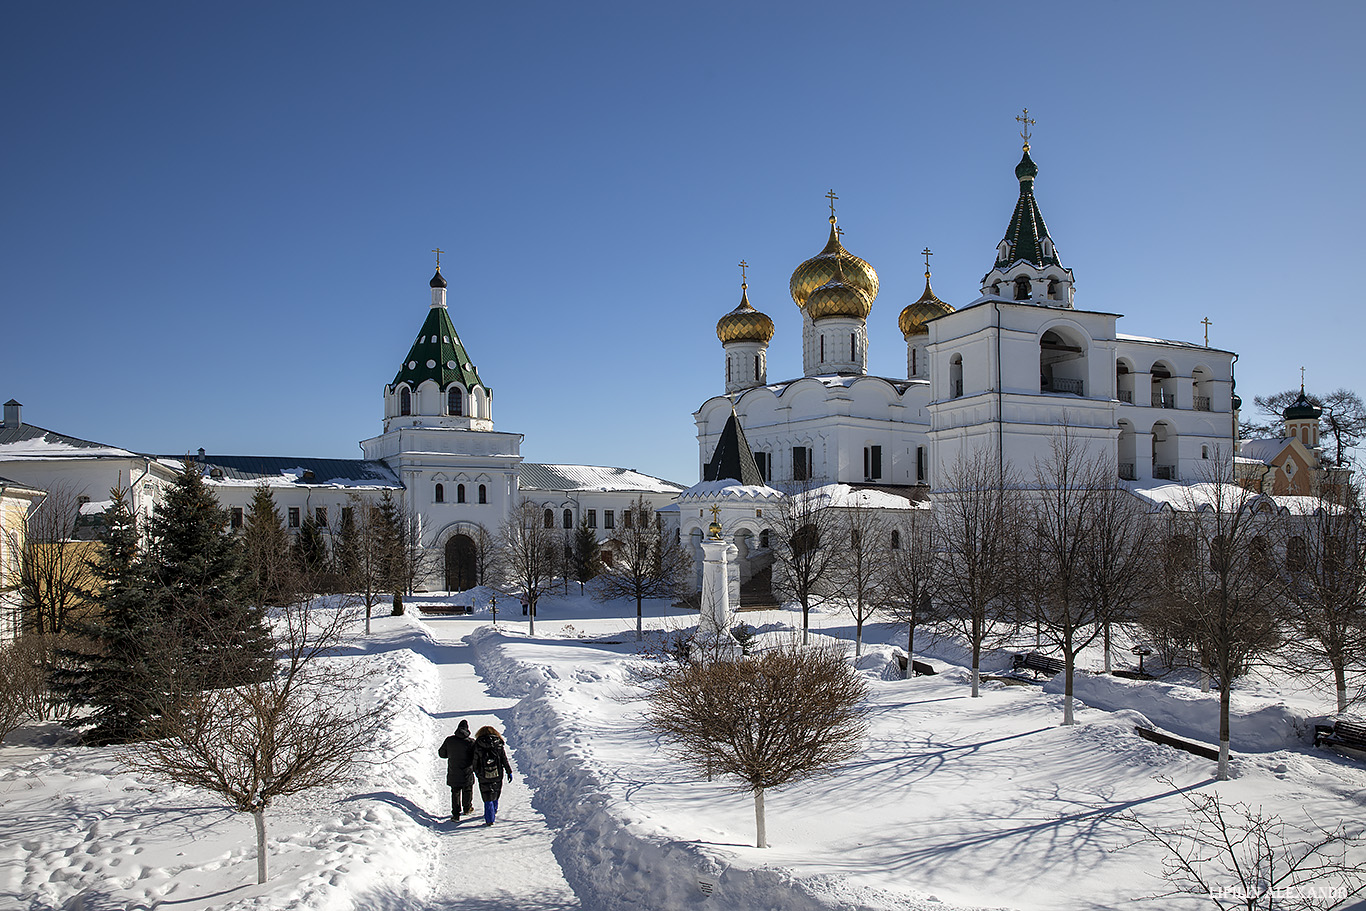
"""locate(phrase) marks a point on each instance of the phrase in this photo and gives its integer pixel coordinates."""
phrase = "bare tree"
(1119, 567)
(1219, 596)
(803, 530)
(739, 718)
(527, 560)
(976, 512)
(1241, 857)
(1326, 581)
(485, 552)
(1343, 420)
(1062, 511)
(52, 572)
(861, 551)
(368, 547)
(912, 576)
(646, 564)
(298, 729)
(25, 695)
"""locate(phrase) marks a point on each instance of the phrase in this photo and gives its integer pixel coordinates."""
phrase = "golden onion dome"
(838, 297)
(744, 323)
(916, 315)
(820, 270)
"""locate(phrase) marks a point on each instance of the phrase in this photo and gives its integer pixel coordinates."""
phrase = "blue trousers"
(490, 811)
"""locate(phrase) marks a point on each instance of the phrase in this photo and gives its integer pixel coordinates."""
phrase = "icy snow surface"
(956, 802)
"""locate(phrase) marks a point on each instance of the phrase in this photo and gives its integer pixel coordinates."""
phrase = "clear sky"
(216, 217)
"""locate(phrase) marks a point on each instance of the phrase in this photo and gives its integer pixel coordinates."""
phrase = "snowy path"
(510, 865)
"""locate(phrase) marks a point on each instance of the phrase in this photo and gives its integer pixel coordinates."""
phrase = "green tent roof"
(1027, 229)
(437, 354)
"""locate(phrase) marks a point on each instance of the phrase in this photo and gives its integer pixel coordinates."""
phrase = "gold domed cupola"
(838, 297)
(916, 315)
(821, 269)
(744, 323)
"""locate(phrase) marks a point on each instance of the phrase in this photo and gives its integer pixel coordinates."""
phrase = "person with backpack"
(490, 762)
(458, 751)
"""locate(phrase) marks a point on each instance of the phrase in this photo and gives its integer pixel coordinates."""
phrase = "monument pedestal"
(714, 639)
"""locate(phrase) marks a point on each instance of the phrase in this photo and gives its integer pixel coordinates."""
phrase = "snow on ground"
(956, 803)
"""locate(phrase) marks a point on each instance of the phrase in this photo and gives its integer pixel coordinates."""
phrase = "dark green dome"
(1302, 410)
(1026, 169)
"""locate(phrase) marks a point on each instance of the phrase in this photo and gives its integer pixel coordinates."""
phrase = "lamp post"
(493, 609)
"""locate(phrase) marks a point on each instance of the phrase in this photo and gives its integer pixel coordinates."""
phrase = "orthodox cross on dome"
(744, 278)
(832, 197)
(1207, 323)
(1301, 381)
(1028, 122)
(438, 251)
(927, 254)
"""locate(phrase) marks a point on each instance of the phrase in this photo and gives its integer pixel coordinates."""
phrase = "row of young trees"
(1220, 582)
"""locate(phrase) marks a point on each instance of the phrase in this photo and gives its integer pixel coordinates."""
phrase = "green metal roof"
(733, 459)
(1027, 229)
(437, 354)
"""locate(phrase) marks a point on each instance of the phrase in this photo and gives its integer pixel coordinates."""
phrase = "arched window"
(763, 538)
(757, 372)
(569, 518)
(896, 539)
(1022, 288)
(727, 370)
(914, 371)
(440, 493)
(822, 349)
(853, 347)
(405, 401)
(956, 376)
(455, 402)
(1052, 289)
(550, 518)
(483, 494)
(460, 493)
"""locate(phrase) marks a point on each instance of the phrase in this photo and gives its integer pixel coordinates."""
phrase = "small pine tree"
(196, 580)
(309, 550)
(346, 554)
(389, 541)
(265, 549)
(585, 554)
(115, 669)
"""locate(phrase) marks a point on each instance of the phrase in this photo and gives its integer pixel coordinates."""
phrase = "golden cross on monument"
(1024, 118)
(832, 197)
(744, 278)
(927, 254)
(716, 513)
(1207, 323)
(438, 251)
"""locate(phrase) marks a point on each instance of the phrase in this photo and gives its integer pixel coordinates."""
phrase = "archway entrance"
(460, 568)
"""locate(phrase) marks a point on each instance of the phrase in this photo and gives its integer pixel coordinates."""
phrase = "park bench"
(1037, 664)
(1344, 733)
(446, 610)
(919, 667)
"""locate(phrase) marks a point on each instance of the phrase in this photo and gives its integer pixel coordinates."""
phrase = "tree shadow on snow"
(389, 899)
(410, 809)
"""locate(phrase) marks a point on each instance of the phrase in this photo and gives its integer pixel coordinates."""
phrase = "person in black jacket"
(490, 762)
(458, 751)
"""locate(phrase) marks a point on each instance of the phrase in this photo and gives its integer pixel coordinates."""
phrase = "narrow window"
(896, 539)
(440, 493)
(876, 474)
(822, 349)
(1022, 288)
(460, 493)
(293, 517)
(550, 518)
(455, 402)
(1204, 452)
(348, 515)
(757, 374)
(727, 370)
(405, 401)
(914, 371)
(568, 518)
(853, 347)
(592, 518)
(237, 517)
(608, 519)
(761, 459)
(763, 538)
(920, 463)
(483, 494)
(320, 516)
(800, 464)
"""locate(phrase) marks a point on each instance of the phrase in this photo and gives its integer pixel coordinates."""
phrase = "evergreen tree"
(389, 543)
(265, 549)
(346, 554)
(117, 671)
(197, 580)
(584, 557)
(309, 550)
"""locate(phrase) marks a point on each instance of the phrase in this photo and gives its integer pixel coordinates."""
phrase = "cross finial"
(1028, 122)
(1301, 381)
(832, 197)
(927, 254)
(744, 277)
(1207, 323)
(438, 251)
(716, 513)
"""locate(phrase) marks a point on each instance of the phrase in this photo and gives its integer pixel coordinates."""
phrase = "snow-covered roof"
(25, 442)
(847, 495)
(1206, 495)
(729, 488)
(535, 476)
(289, 471)
(1150, 340)
(1263, 450)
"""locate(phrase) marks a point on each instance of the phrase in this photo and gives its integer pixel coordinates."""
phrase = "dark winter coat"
(458, 751)
(490, 744)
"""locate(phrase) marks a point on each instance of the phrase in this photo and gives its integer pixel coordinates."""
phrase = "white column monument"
(714, 638)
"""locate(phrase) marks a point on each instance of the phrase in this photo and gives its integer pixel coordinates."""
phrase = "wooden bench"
(1037, 664)
(445, 610)
(1344, 733)
(920, 668)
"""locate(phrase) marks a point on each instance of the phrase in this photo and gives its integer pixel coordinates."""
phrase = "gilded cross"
(438, 251)
(927, 254)
(1207, 323)
(1301, 379)
(1025, 119)
(744, 278)
(832, 197)
(716, 513)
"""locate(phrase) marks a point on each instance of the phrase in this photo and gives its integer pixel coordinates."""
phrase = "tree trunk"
(910, 650)
(1340, 678)
(1105, 634)
(858, 638)
(531, 618)
(640, 621)
(259, 816)
(976, 664)
(1068, 717)
(367, 619)
(761, 834)
(1225, 688)
(806, 620)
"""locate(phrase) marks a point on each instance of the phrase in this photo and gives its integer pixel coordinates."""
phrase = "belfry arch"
(461, 565)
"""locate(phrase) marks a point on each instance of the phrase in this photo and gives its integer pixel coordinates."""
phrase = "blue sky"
(217, 217)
